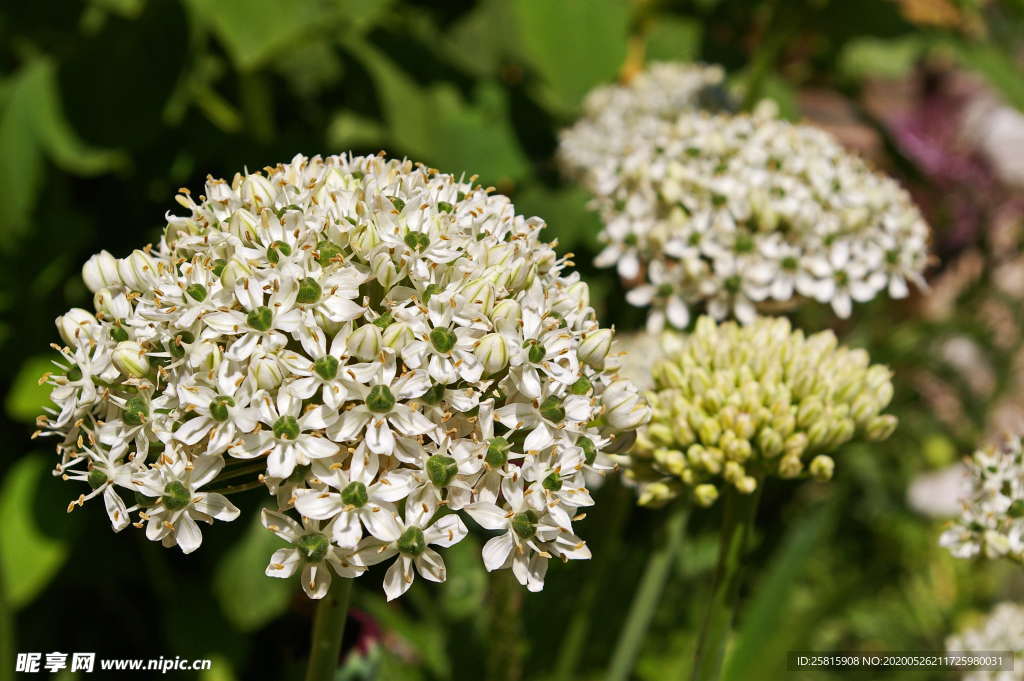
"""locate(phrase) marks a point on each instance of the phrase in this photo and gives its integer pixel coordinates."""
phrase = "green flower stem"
(239, 471)
(507, 641)
(6, 627)
(740, 510)
(574, 642)
(328, 628)
(648, 594)
(241, 487)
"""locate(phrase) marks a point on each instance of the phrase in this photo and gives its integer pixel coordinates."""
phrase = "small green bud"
(589, 449)
(380, 399)
(412, 542)
(443, 339)
(96, 478)
(219, 407)
(276, 250)
(313, 547)
(582, 386)
(260, 318)
(790, 466)
(822, 467)
(553, 482)
(197, 292)
(497, 452)
(525, 524)
(551, 409)
(326, 367)
(175, 496)
(355, 494)
(179, 341)
(309, 292)
(135, 411)
(434, 394)
(705, 495)
(286, 428)
(441, 469)
(326, 252)
(535, 351)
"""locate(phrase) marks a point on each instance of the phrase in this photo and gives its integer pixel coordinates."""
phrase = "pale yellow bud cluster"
(734, 404)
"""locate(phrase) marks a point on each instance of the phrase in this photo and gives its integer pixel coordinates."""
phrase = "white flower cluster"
(1002, 630)
(731, 211)
(379, 344)
(992, 520)
(595, 150)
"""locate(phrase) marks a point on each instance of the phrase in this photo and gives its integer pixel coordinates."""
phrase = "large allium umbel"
(382, 346)
(727, 212)
(735, 404)
(992, 521)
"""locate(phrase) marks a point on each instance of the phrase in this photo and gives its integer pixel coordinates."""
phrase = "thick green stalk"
(648, 594)
(506, 648)
(575, 639)
(328, 628)
(6, 627)
(739, 518)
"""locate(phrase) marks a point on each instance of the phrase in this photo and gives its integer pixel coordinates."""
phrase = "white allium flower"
(375, 343)
(991, 522)
(1002, 630)
(729, 211)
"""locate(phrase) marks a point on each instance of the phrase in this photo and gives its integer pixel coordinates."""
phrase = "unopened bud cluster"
(728, 211)
(379, 345)
(992, 521)
(734, 404)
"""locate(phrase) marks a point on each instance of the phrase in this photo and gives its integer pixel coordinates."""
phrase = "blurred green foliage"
(108, 106)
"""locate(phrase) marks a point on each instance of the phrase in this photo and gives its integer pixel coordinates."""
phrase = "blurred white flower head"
(731, 211)
(1003, 629)
(382, 347)
(991, 521)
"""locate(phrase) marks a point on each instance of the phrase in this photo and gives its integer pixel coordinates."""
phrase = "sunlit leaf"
(572, 44)
(871, 57)
(248, 597)
(27, 396)
(30, 557)
(673, 39)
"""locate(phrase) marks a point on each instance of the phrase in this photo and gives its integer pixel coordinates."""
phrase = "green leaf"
(870, 57)
(32, 125)
(253, 30)
(997, 67)
(673, 39)
(765, 616)
(572, 44)
(435, 125)
(30, 557)
(566, 214)
(247, 596)
(480, 39)
(27, 396)
(349, 130)
(466, 586)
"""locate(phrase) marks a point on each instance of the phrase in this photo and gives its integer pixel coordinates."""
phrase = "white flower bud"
(492, 351)
(113, 304)
(479, 292)
(100, 271)
(137, 271)
(579, 293)
(506, 315)
(130, 359)
(266, 372)
(244, 225)
(365, 342)
(256, 189)
(705, 495)
(76, 325)
(364, 240)
(624, 410)
(384, 270)
(234, 271)
(822, 467)
(521, 275)
(205, 356)
(397, 336)
(595, 347)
